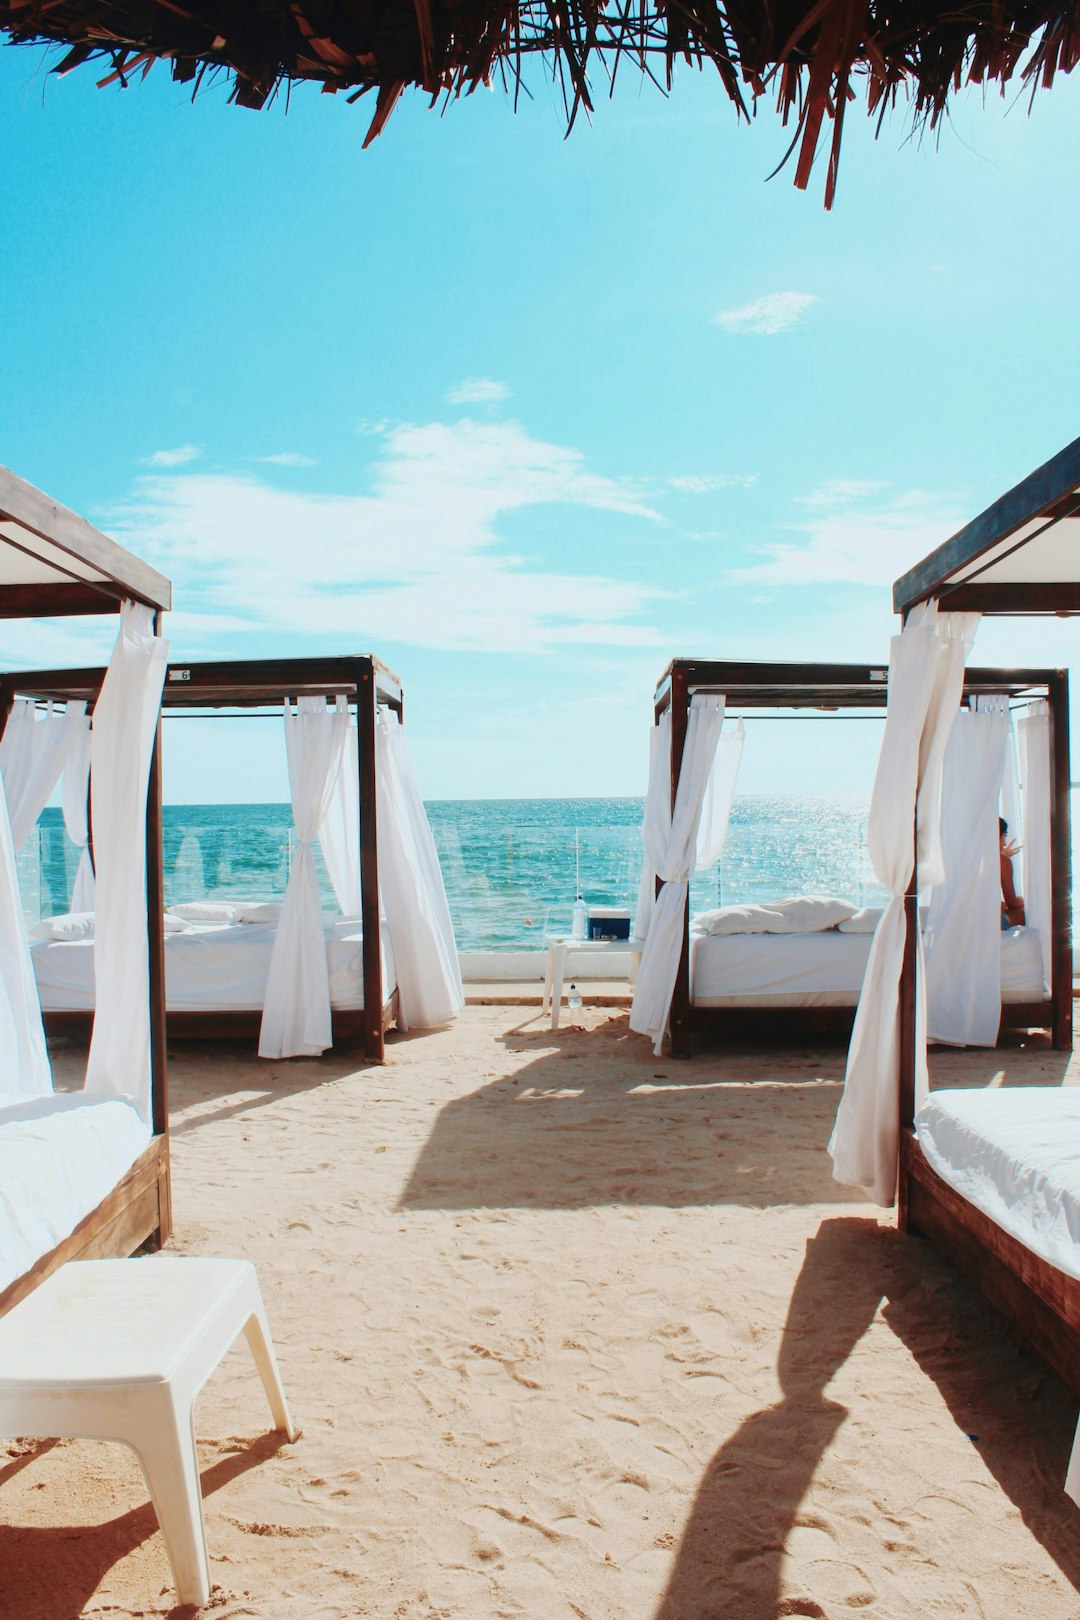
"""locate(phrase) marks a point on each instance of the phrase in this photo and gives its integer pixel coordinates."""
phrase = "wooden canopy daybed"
(809, 688)
(245, 688)
(1021, 556)
(54, 563)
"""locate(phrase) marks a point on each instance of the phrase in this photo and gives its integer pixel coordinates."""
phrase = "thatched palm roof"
(810, 54)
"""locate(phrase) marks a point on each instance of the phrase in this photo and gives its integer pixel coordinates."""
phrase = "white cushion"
(68, 925)
(863, 922)
(268, 912)
(801, 914)
(206, 911)
(176, 925)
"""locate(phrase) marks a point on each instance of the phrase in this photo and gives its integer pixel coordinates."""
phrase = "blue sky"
(528, 416)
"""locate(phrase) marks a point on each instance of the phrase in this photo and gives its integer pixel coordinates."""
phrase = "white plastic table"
(559, 948)
(119, 1350)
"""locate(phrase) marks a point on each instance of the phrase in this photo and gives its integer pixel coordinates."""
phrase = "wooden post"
(908, 1032)
(679, 1022)
(155, 928)
(1061, 983)
(374, 1045)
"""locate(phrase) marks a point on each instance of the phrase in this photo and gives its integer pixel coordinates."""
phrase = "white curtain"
(339, 835)
(674, 864)
(1034, 740)
(411, 883)
(33, 752)
(963, 924)
(296, 1018)
(656, 822)
(121, 747)
(76, 789)
(926, 679)
(24, 1058)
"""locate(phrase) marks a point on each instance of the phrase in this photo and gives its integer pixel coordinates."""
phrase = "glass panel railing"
(511, 867)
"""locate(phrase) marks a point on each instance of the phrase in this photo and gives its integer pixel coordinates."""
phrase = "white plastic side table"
(559, 948)
(119, 1350)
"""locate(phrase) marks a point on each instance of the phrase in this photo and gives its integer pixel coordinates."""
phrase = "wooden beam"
(1038, 493)
(679, 1018)
(374, 1045)
(53, 600)
(1060, 598)
(33, 510)
(1061, 862)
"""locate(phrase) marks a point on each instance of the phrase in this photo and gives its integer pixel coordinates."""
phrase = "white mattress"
(1013, 1152)
(59, 1157)
(211, 969)
(823, 969)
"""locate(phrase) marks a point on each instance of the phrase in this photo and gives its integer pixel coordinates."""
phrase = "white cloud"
(418, 559)
(173, 458)
(773, 313)
(706, 483)
(478, 391)
(838, 491)
(286, 458)
(857, 543)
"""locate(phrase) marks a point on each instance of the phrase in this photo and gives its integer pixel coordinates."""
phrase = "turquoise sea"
(512, 866)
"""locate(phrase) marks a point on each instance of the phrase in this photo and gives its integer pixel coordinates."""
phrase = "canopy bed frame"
(247, 687)
(1021, 556)
(834, 688)
(53, 563)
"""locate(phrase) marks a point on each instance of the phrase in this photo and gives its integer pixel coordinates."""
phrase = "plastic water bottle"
(580, 926)
(573, 1003)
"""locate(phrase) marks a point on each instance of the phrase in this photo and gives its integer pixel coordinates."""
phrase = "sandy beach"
(571, 1331)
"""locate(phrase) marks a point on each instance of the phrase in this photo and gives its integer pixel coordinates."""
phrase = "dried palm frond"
(814, 58)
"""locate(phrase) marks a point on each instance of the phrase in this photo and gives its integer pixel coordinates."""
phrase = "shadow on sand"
(210, 1075)
(995, 1388)
(562, 1132)
(57, 1570)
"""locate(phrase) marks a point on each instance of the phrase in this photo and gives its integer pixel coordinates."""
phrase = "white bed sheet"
(59, 1157)
(1014, 1153)
(211, 968)
(823, 969)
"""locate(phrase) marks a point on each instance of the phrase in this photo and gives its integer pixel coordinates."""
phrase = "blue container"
(609, 922)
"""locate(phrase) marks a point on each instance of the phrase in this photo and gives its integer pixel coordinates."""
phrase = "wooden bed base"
(786, 1024)
(1042, 1302)
(138, 1211)
(349, 1026)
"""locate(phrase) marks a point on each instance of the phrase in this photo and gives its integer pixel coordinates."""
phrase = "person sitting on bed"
(1012, 904)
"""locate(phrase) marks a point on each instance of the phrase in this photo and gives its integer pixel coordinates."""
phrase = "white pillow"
(206, 911)
(176, 925)
(802, 914)
(68, 925)
(863, 922)
(267, 912)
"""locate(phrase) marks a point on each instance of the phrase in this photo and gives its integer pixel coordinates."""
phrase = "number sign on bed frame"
(249, 685)
(1019, 557)
(833, 688)
(53, 563)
